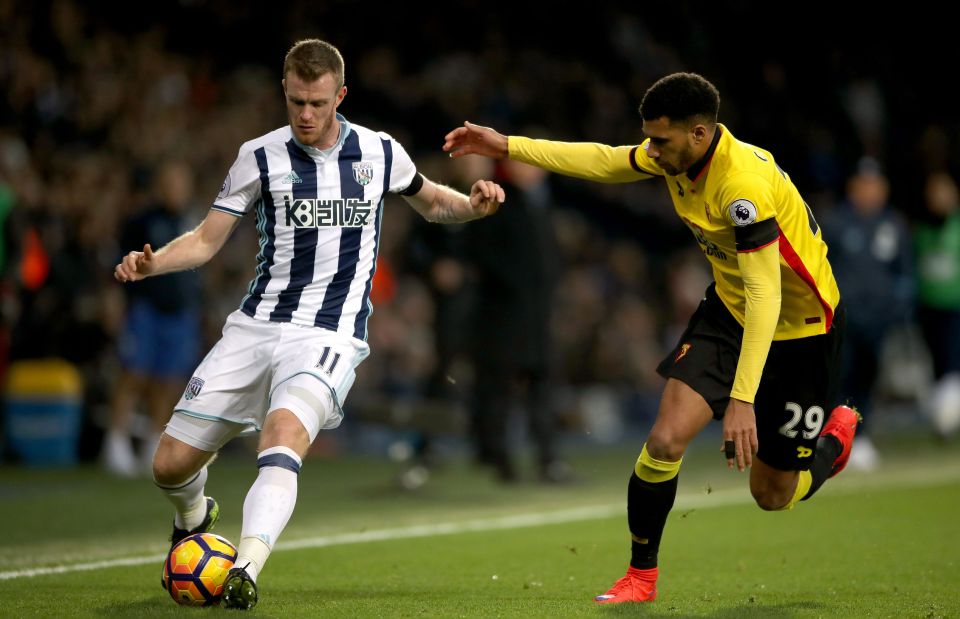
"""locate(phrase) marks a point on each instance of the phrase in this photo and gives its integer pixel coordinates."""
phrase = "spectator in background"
(160, 341)
(439, 256)
(435, 254)
(937, 250)
(870, 254)
(514, 259)
(7, 199)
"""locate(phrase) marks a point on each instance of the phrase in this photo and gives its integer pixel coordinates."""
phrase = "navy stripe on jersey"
(304, 239)
(360, 325)
(230, 211)
(328, 316)
(266, 222)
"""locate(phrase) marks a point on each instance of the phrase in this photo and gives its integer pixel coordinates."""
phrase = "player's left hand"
(740, 429)
(471, 139)
(486, 198)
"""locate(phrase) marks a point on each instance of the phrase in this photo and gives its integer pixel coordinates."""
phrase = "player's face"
(671, 145)
(312, 108)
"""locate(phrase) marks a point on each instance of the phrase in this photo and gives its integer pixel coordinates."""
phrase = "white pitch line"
(722, 498)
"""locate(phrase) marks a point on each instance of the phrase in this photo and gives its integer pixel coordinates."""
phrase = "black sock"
(828, 449)
(647, 507)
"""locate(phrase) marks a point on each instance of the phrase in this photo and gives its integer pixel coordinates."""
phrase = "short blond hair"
(311, 58)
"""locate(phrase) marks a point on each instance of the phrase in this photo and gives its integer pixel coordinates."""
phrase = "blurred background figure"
(871, 257)
(161, 336)
(514, 261)
(436, 255)
(73, 150)
(937, 250)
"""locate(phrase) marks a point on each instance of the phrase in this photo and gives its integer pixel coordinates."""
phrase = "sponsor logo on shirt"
(313, 213)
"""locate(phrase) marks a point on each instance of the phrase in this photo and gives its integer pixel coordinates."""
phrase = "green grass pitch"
(880, 545)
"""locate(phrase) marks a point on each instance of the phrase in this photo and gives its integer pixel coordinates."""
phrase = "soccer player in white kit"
(287, 357)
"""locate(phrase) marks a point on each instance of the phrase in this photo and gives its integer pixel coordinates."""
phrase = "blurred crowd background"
(118, 123)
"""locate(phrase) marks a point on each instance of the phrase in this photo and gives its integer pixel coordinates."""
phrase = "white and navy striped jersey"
(318, 215)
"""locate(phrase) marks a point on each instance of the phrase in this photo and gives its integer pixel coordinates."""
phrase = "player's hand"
(136, 265)
(739, 434)
(471, 139)
(486, 198)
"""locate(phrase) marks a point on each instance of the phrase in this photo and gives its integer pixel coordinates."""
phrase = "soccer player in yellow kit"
(761, 352)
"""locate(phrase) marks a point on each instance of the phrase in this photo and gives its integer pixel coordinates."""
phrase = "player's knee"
(174, 462)
(770, 498)
(665, 445)
(169, 470)
(285, 429)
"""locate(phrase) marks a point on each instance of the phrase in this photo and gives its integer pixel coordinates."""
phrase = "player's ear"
(283, 84)
(699, 132)
(341, 95)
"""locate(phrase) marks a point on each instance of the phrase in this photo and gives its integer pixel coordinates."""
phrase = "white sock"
(188, 500)
(268, 507)
(251, 555)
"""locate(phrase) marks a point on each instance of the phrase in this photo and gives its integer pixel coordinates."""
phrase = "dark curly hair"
(681, 97)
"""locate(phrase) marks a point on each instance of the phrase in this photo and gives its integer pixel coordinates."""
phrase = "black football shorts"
(797, 388)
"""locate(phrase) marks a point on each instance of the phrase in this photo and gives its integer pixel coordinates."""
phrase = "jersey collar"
(324, 153)
(697, 168)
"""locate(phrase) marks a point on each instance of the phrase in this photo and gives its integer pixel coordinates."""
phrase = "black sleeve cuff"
(415, 186)
(756, 235)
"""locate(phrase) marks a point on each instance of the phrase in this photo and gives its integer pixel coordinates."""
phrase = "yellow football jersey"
(738, 199)
(735, 199)
(738, 203)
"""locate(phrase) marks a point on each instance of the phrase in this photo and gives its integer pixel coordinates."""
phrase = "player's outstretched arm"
(471, 139)
(187, 251)
(444, 205)
(586, 160)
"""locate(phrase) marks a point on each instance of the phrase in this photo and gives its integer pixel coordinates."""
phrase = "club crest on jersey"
(742, 212)
(193, 388)
(362, 172)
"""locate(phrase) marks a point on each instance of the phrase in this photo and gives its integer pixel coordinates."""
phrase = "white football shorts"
(260, 366)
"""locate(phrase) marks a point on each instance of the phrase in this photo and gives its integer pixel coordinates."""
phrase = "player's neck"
(701, 149)
(332, 137)
(325, 145)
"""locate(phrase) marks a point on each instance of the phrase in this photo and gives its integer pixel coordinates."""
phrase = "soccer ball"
(194, 571)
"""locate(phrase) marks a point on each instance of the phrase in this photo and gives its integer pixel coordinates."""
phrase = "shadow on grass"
(751, 609)
(153, 607)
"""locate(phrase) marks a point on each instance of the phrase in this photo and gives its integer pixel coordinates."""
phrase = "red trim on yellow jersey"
(796, 264)
(753, 249)
(698, 168)
(706, 166)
